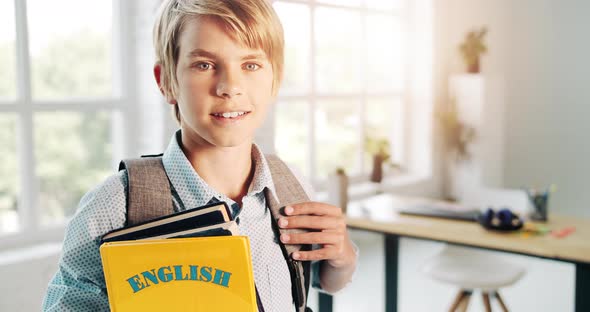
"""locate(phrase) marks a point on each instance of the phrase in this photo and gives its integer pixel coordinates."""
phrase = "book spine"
(108, 282)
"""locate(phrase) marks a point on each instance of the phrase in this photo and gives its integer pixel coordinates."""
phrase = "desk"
(378, 214)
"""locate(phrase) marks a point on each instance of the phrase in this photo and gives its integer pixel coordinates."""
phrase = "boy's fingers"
(312, 222)
(325, 253)
(320, 238)
(313, 208)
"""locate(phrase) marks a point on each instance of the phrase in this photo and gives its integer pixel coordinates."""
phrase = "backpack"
(149, 196)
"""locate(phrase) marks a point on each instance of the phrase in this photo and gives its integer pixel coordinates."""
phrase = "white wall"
(539, 48)
(25, 274)
(549, 100)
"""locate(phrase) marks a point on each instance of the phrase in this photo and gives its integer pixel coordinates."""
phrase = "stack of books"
(194, 260)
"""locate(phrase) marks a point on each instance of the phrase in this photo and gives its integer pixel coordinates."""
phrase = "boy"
(219, 64)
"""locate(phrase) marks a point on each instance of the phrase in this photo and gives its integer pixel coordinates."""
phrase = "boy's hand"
(331, 233)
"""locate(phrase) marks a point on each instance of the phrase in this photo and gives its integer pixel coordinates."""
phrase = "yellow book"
(180, 274)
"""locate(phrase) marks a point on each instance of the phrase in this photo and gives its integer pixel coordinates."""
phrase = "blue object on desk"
(502, 220)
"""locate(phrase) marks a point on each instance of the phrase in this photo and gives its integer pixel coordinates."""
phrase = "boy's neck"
(228, 170)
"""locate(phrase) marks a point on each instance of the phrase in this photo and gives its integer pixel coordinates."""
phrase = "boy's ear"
(158, 76)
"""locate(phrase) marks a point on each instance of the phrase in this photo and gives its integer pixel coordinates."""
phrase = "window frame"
(24, 106)
(312, 96)
(420, 143)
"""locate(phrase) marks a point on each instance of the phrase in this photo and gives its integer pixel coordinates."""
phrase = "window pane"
(338, 50)
(9, 184)
(291, 136)
(71, 54)
(383, 120)
(386, 66)
(73, 154)
(337, 136)
(7, 51)
(296, 23)
(385, 4)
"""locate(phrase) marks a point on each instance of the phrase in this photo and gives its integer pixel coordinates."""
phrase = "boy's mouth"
(230, 115)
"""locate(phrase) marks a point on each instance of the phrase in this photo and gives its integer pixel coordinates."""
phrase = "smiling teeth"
(230, 114)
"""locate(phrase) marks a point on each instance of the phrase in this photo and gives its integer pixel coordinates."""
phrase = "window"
(58, 107)
(345, 80)
(7, 51)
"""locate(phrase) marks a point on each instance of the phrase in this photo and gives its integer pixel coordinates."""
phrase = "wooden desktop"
(379, 214)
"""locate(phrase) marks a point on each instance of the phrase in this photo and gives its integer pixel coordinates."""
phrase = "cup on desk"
(338, 189)
(539, 201)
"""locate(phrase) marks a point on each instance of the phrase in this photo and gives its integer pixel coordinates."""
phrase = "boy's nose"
(228, 86)
(227, 90)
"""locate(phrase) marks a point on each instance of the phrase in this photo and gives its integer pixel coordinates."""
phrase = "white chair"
(473, 269)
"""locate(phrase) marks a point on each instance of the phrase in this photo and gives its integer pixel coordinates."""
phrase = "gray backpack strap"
(148, 190)
(289, 191)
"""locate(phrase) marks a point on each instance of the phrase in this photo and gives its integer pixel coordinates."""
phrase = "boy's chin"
(230, 141)
(218, 138)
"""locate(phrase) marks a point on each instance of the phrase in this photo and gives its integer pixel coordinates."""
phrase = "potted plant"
(472, 48)
(379, 149)
(458, 135)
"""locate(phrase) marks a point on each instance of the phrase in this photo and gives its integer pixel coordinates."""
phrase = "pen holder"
(539, 203)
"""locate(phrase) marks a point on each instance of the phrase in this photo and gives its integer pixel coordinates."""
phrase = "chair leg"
(500, 301)
(465, 302)
(486, 301)
(458, 299)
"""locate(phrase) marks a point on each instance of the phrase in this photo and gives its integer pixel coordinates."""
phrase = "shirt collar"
(262, 176)
(194, 191)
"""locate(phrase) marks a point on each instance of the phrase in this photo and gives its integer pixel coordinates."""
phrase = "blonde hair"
(253, 23)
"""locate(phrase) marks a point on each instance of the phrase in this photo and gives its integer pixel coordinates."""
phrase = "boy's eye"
(252, 66)
(203, 66)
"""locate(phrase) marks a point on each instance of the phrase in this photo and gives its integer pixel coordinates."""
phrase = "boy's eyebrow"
(254, 56)
(205, 53)
(201, 52)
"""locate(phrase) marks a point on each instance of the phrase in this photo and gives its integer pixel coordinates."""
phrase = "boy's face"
(224, 87)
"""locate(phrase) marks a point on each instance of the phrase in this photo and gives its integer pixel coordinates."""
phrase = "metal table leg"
(582, 287)
(391, 272)
(326, 302)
